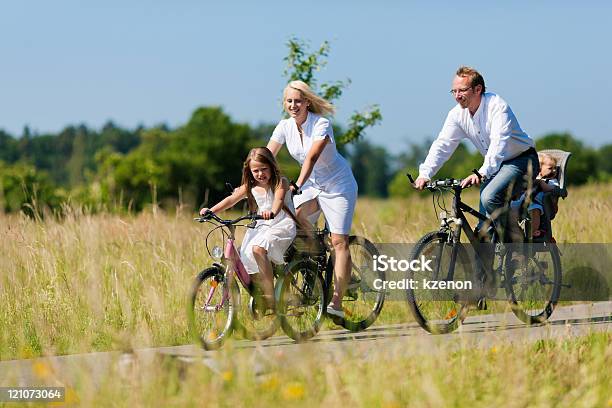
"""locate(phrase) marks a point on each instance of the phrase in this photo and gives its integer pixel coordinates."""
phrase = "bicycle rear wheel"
(362, 303)
(439, 310)
(300, 299)
(211, 312)
(533, 283)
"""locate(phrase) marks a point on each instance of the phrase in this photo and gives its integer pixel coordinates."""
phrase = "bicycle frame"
(459, 218)
(233, 266)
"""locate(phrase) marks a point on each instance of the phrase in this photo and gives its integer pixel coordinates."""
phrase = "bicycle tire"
(439, 311)
(212, 322)
(249, 322)
(300, 299)
(533, 287)
(362, 303)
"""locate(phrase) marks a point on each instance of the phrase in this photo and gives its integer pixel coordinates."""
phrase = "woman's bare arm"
(311, 158)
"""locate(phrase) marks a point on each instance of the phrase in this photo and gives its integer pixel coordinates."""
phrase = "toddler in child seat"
(545, 182)
(267, 192)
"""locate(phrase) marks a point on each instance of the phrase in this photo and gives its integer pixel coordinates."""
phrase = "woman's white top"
(331, 172)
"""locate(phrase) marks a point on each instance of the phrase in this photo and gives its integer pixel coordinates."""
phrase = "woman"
(326, 179)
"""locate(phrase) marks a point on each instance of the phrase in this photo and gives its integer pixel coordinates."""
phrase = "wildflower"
(42, 370)
(293, 391)
(227, 376)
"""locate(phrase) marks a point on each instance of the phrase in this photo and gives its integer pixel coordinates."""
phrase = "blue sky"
(151, 62)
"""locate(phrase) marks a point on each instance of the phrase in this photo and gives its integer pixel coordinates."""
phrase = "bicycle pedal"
(481, 304)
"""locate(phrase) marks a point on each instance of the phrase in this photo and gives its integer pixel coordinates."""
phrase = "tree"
(9, 152)
(371, 168)
(23, 188)
(193, 162)
(302, 65)
(605, 161)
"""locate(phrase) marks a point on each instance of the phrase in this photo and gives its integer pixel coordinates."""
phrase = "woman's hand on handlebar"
(295, 190)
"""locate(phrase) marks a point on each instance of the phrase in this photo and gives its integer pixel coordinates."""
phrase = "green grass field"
(107, 282)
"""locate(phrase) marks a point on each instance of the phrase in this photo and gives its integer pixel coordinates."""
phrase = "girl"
(268, 193)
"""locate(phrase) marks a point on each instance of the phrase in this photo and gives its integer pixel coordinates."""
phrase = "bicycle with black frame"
(468, 274)
(306, 286)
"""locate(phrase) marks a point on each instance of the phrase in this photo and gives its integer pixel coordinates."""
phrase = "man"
(488, 122)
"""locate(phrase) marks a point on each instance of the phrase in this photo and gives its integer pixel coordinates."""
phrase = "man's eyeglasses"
(461, 91)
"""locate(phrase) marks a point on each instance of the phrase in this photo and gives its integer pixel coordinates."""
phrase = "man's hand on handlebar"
(471, 180)
(420, 183)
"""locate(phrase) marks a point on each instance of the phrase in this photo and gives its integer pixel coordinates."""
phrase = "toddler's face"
(547, 168)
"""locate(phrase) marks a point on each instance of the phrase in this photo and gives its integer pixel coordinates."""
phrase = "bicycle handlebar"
(436, 184)
(297, 190)
(449, 182)
(211, 215)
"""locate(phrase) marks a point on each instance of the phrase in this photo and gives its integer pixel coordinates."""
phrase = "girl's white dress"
(273, 235)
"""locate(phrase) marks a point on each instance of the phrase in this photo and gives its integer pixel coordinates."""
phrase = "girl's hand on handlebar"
(267, 215)
(204, 211)
(471, 180)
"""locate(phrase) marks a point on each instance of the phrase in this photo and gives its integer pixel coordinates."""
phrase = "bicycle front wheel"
(533, 282)
(300, 299)
(253, 320)
(211, 311)
(362, 303)
(439, 307)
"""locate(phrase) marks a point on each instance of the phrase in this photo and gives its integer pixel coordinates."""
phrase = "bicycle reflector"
(217, 252)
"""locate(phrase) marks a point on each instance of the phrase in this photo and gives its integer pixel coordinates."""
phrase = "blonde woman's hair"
(316, 104)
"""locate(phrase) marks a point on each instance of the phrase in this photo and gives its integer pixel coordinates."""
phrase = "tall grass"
(105, 282)
(564, 373)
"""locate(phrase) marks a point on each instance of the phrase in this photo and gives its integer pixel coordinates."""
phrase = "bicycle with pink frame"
(217, 305)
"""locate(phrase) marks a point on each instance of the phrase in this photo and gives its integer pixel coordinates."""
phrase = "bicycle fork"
(214, 284)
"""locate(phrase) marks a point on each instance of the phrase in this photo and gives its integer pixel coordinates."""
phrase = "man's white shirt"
(493, 129)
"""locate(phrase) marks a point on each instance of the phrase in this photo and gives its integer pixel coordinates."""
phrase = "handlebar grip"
(297, 190)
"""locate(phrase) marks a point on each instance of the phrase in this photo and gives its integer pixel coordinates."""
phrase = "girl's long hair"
(262, 155)
(316, 105)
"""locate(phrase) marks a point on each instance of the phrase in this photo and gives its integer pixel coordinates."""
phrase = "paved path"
(480, 331)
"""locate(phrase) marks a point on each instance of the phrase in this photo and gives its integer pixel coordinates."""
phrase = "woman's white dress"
(273, 235)
(331, 182)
